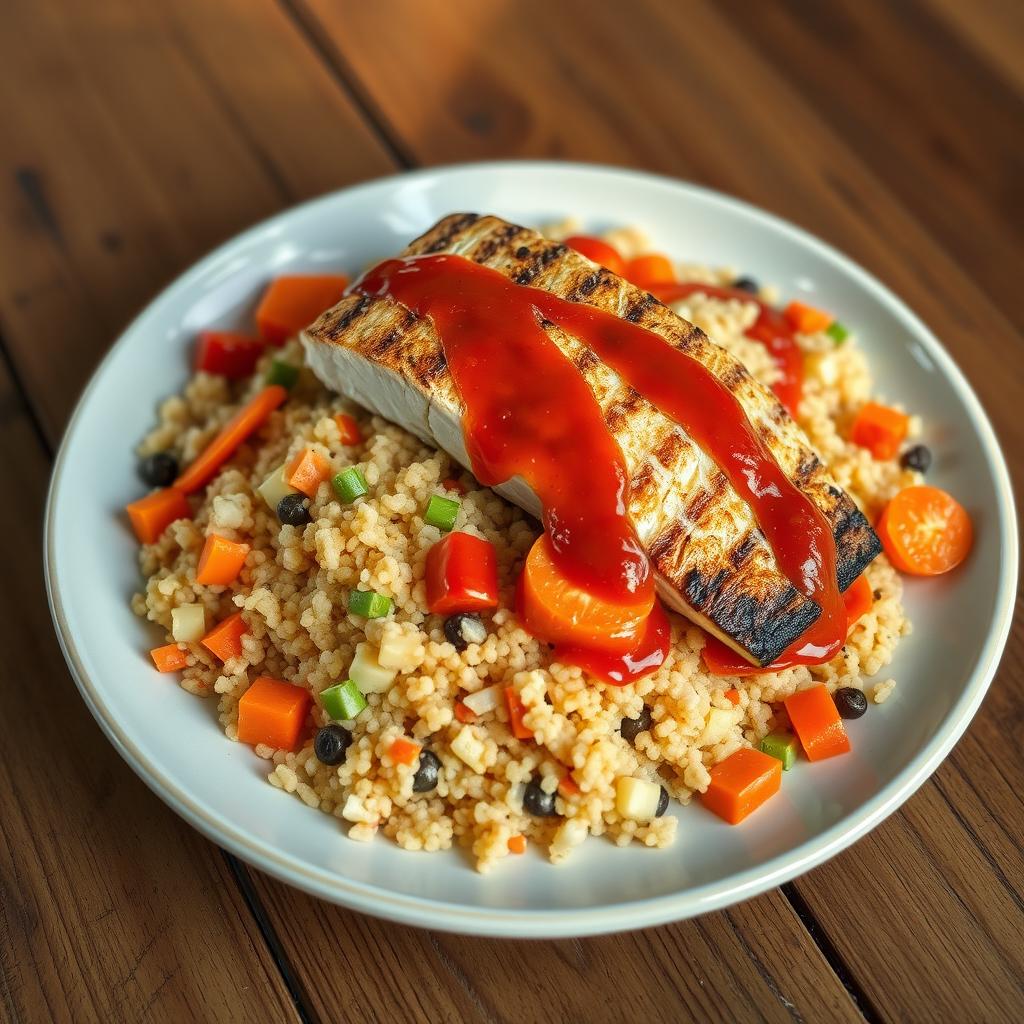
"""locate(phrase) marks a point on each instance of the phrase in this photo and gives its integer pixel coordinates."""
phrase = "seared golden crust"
(713, 563)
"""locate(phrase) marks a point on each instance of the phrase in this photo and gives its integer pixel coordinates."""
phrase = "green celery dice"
(837, 332)
(441, 512)
(282, 373)
(781, 745)
(366, 602)
(343, 701)
(350, 484)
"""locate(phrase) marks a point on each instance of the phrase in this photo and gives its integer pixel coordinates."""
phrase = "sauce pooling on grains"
(530, 412)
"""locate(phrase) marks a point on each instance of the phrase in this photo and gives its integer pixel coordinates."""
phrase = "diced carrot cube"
(272, 712)
(732, 696)
(806, 319)
(404, 751)
(741, 783)
(650, 271)
(348, 428)
(307, 471)
(221, 561)
(224, 641)
(293, 302)
(880, 429)
(517, 844)
(151, 515)
(516, 711)
(815, 720)
(567, 786)
(169, 658)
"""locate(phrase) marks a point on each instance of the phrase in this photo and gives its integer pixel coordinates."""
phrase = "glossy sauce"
(529, 412)
(770, 328)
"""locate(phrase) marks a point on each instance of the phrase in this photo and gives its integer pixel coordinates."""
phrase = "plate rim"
(601, 919)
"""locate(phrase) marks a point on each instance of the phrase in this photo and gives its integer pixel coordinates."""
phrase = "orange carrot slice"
(404, 751)
(741, 783)
(348, 428)
(806, 319)
(650, 271)
(567, 786)
(169, 658)
(272, 712)
(221, 561)
(246, 421)
(880, 429)
(925, 531)
(151, 515)
(560, 612)
(732, 696)
(224, 641)
(816, 722)
(467, 716)
(307, 471)
(293, 302)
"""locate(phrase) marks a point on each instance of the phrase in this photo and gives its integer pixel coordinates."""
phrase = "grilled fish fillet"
(713, 564)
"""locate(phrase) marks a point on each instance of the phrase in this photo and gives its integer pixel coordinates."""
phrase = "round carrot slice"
(925, 531)
(559, 611)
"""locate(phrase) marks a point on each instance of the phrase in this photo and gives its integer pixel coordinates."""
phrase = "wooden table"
(137, 136)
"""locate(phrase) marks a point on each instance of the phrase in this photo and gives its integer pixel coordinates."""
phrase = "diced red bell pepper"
(462, 575)
(228, 353)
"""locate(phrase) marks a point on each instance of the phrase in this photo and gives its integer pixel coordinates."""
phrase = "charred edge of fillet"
(443, 233)
(335, 321)
(540, 261)
(493, 241)
(638, 307)
(617, 414)
(857, 544)
(763, 627)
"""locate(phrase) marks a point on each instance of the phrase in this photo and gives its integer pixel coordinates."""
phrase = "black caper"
(425, 778)
(330, 744)
(747, 284)
(464, 629)
(159, 469)
(662, 803)
(632, 727)
(292, 511)
(538, 802)
(850, 703)
(918, 458)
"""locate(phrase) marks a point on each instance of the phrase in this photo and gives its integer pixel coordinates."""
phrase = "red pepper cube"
(228, 353)
(815, 719)
(462, 575)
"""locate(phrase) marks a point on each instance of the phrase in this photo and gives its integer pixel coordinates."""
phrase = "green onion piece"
(343, 701)
(366, 602)
(350, 484)
(781, 745)
(441, 512)
(837, 332)
(282, 373)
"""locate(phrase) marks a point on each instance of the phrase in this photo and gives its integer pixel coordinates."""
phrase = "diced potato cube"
(637, 799)
(368, 673)
(570, 833)
(355, 811)
(469, 749)
(276, 487)
(188, 623)
(398, 649)
(720, 724)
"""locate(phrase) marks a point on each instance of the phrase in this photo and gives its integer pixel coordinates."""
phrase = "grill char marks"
(712, 561)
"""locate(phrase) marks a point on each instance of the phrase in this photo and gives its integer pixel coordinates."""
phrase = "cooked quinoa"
(293, 592)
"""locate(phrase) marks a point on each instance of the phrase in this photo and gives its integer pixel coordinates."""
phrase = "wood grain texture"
(790, 113)
(139, 136)
(752, 962)
(111, 908)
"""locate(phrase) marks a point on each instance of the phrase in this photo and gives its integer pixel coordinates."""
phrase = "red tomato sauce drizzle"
(530, 412)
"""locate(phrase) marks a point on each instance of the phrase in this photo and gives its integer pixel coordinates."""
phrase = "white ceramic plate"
(172, 741)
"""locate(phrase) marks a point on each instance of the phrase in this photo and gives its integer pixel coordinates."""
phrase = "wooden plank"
(154, 132)
(209, 110)
(943, 876)
(111, 908)
(994, 28)
(753, 962)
